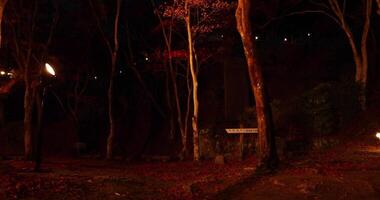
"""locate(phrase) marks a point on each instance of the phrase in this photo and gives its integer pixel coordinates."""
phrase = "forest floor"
(348, 170)
(98, 179)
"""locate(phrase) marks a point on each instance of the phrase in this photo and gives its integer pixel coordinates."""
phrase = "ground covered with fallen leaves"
(99, 179)
(348, 170)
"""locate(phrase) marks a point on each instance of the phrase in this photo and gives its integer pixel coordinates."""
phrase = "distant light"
(285, 39)
(2, 73)
(10, 74)
(121, 72)
(309, 34)
(95, 77)
(49, 69)
(256, 37)
(378, 135)
(146, 58)
(222, 36)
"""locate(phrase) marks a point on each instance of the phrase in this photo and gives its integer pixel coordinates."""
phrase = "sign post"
(241, 132)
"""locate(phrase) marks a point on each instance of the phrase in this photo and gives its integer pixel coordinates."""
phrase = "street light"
(45, 81)
(49, 69)
(378, 135)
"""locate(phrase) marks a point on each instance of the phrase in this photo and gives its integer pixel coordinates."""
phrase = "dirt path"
(348, 171)
(98, 179)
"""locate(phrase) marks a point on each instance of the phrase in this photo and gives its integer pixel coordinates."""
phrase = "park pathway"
(349, 170)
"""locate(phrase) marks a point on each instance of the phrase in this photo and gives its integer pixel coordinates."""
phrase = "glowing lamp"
(2, 73)
(378, 135)
(49, 69)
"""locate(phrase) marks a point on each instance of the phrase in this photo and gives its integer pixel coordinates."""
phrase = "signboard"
(241, 130)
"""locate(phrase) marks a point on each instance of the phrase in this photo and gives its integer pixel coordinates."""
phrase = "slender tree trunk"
(28, 132)
(3, 3)
(195, 85)
(40, 96)
(111, 136)
(173, 78)
(187, 113)
(179, 111)
(360, 54)
(267, 147)
(364, 54)
(169, 103)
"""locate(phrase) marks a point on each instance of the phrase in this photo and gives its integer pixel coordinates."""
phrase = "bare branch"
(98, 25)
(323, 12)
(140, 79)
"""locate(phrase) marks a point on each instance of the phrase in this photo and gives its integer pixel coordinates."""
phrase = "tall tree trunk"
(111, 136)
(267, 147)
(360, 54)
(182, 123)
(28, 132)
(113, 52)
(169, 102)
(2, 7)
(364, 54)
(195, 84)
(3, 3)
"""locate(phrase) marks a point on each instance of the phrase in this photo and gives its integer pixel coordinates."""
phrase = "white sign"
(241, 130)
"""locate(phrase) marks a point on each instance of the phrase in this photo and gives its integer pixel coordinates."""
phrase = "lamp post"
(45, 81)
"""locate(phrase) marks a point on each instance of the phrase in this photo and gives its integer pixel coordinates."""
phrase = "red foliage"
(208, 15)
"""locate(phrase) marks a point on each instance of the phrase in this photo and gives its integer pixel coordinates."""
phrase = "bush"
(347, 101)
(331, 105)
(320, 109)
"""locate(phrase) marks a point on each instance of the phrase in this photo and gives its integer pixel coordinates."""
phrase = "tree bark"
(364, 54)
(266, 139)
(194, 82)
(114, 51)
(173, 79)
(360, 53)
(28, 132)
(3, 3)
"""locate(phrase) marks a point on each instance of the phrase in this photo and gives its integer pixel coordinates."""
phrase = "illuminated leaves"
(207, 15)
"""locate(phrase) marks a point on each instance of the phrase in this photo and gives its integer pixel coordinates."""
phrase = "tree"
(171, 80)
(195, 117)
(3, 3)
(113, 49)
(266, 141)
(337, 12)
(206, 12)
(29, 43)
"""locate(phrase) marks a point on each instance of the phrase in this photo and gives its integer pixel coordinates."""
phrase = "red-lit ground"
(98, 179)
(348, 171)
